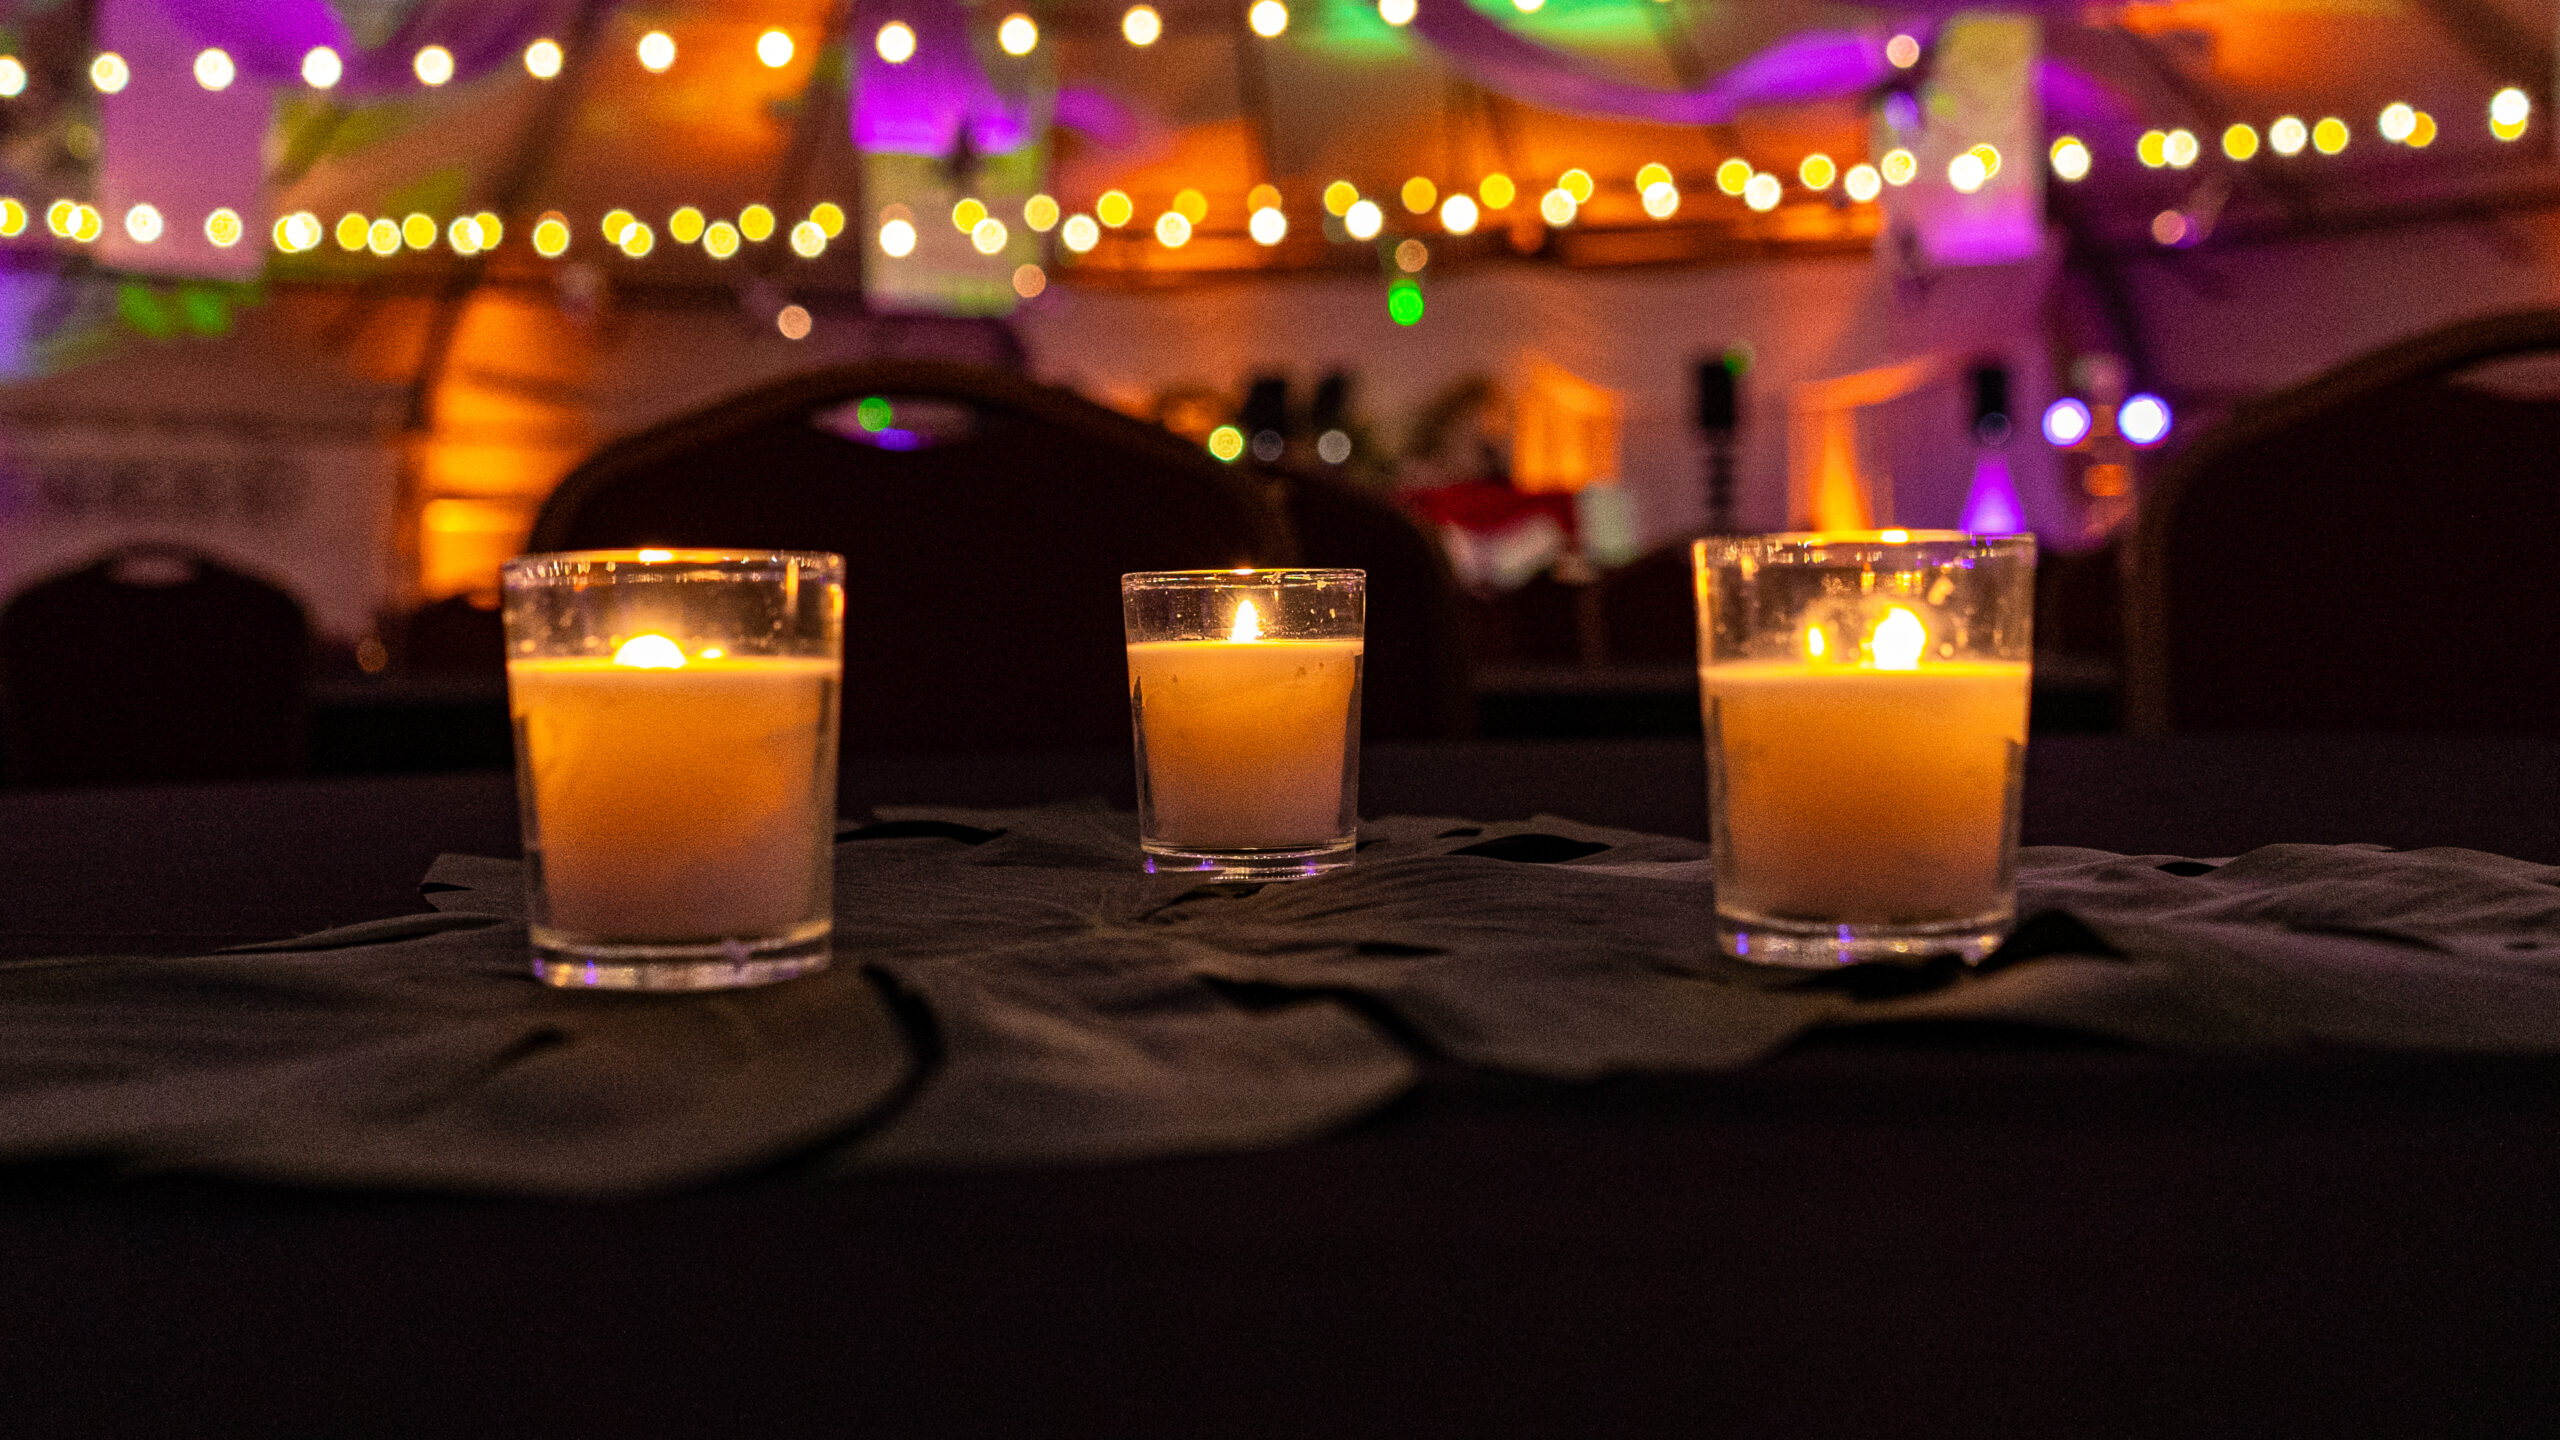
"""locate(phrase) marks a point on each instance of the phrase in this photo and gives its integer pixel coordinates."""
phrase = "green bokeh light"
(874, 414)
(1226, 442)
(1404, 302)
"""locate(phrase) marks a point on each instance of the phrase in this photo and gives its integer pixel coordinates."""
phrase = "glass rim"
(1241, 577)
(1785, 542)
(664, 561)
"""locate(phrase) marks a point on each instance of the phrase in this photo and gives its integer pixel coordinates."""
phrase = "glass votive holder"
(1244, 693)
(1865, 698)
(675, 720)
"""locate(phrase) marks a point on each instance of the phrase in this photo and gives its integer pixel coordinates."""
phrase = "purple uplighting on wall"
(1815, 65)
(925, 105)
(1991, 507)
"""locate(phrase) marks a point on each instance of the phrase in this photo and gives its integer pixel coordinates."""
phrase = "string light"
(2510, 110)
(61, 216)
(2144, 419)
(1497, 192)
(1651, 175)
(808, 240)
(1903, 51)
(686, 225)
(2070, 159)
(794, 322)
(321, 68)
(297, 232)
(1576, 183)
(896, 42)
(13, 77)
(1018, 34)
(1268, 18)
(88, 225)
(638, 239)
(1397, 12)
(1040, 213)
(989, 236)
(1227, 443)
(2423, 133)
(2239, 141)
(142, 224)
(1458, 214)
(657, 51)
(13, 216)
(542, 59)
(2329, 136)
(1114, 208)
(1141, 25)
(1761, 191)
(214, 70)
(1900, 167)
(615, 222)
(1863, 183)
(1732, 176)
(1029, 281)
(1191, 205)
(351, 231)
(1662, 199)
(2397, 122)
(1364, 220)
(1173, 231)
(1967, 173)
(966, 215)
(433, 65)
(775, 49)
(1265, 196)
(492, 230)
(756, 223)
(1558, 207)
(463, 235)
(109, 73)
(2066, 422)
(551, 235)
(2287, 136)
(382, 237)
(1419, 195)
(1267, 226)
(2152, 149)
(897, 239)
(1340, 196)
(2182, 149)
(1817, 172)
(418, 231)
(828, 216)
(1080, 233)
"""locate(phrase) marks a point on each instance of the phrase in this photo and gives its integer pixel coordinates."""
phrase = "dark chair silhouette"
(985, 523)
(153, 664)
(454, 636)
(2367, 551)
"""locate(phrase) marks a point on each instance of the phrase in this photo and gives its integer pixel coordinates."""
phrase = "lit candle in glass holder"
(1865, 700)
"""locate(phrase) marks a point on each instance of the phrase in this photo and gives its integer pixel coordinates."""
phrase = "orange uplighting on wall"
(1564, 433)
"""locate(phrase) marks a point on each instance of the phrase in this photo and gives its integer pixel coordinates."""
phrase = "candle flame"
(1813, 642)
(650, 652)
(1898, 641)
(1248, 623)
(656, 555)
(1897, 537)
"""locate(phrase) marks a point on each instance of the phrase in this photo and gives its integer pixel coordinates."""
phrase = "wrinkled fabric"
(1011, 989)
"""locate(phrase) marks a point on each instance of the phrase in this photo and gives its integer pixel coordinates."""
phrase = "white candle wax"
(1242, 742)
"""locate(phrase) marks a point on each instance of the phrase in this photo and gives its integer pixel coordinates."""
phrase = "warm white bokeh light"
(433, 64)
(1141, 25)
(1018, 35)
(657, 52)
(896, 42)
(542, 59)
(214, 70)
(322, 69)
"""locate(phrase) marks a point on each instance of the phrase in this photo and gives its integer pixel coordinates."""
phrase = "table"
(1902, 1233)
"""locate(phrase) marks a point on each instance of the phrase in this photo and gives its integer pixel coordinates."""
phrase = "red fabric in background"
(1486, 507)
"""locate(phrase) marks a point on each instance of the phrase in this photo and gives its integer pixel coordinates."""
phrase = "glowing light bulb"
(2396, 122)
(2510, 110)
(2329, 136)
(463, 235)
(2144, 419)
(1814, 644)
(1029, 281)
(1662, 200)
(2423, 133)
(542, 59)
(1262, 197)
(794, 321)
(808, 240)
(1114, 208)
(2066, 422)
(1191, 205)
(650, 652)
(551, 237)
(1364, 220)
(382, 237)
(61, 216)
(1817, 171)
(1899, 638)
(896, 42)
(89, 225)
(1761, 192)
(351, 231)
(775, 49)
(1900, 167)
(1268, 226)
(2182, 149)
(756, 222)
(1497, 192)
(966, 215)
(1227, 443)
(142, 224)
(1576, 183)
(2239, 141)
(987, 236)
(1018, 35)
(1458, 214)
(638, 239)
(13, 77)
(1967, 173)
(2070, 159)
(1732, 176)
(1340, 196)
(1411, 256)
(2288, 135)
(1141, 25)
(1419, 195)
(1080, 234)
(1268, 18)
(13, 216)
(214, 70)
(2153, 148)
(492, 229)
(1040, 213)
(1903, 51)
(1528, 7)
(417, 231)
(897, 239)
(1397, 12)
(322, 69)
(433, 65)
(109, 73)
(615, 222)
(686, 225)
(1557, 207)
(1862, 183)
(1651, 175)
(657, 52)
